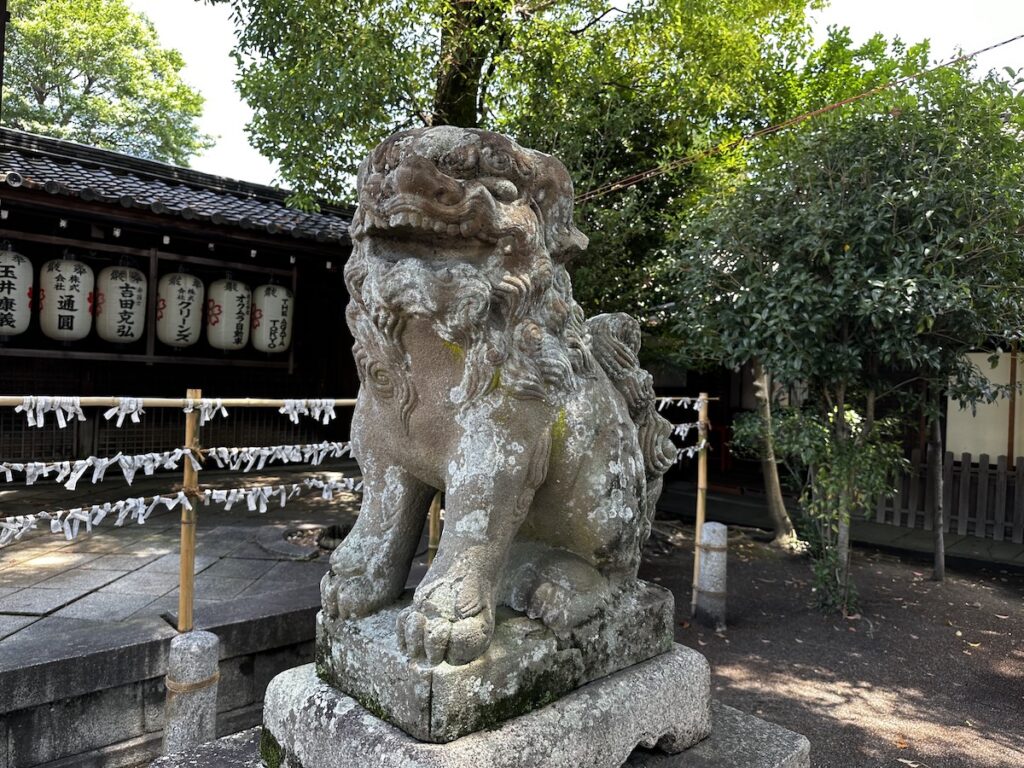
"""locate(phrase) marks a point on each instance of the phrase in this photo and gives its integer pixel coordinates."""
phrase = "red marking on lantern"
(213, 312)
(101, 299)
(257, 315)
(161, 305)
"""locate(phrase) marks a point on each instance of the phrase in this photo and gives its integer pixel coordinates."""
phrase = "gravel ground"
(927, 675)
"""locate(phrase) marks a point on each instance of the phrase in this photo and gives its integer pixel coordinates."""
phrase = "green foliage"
(871, 248)
(93, 71)
(859, 258)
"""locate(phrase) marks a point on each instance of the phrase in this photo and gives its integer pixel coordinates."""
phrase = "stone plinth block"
(190, 716)
(663, 702)
(525, 667)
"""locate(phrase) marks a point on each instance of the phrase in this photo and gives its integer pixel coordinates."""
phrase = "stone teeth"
(426, 222)
(454, 229)
(468, 228)
(440, 226)
(414, 219)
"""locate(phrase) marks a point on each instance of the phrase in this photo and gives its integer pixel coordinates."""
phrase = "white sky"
(204, 36)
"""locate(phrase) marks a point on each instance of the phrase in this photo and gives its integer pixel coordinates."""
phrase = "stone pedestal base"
(526, 666)
(664, 703)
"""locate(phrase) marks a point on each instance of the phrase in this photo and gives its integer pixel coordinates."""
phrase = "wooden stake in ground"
(702, 492)
(190, 485)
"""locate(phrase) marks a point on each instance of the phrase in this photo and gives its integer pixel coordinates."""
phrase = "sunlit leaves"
(93, 71)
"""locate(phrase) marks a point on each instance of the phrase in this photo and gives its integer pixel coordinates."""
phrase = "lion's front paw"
(349, 596)
(447, 622)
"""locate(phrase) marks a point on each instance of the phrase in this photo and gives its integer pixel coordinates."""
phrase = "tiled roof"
(90, 174)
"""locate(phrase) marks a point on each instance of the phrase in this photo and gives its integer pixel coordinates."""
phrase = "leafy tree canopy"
(93, 71)
(866, 251)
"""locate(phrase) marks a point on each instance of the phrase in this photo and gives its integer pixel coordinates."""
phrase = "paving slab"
(19, 578)
(11, 624)
(36, 602)
(62, 558)
(120, 562)
(171, 563)
(213, 588)
(139, 583)
(234, 568)
(81, 580)
(105, 606)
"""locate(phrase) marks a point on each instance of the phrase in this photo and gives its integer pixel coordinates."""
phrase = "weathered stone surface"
(710, 606)
(240, 750)
(191, 712)
(737, 740)
(526, 666)
(664, 701)
(480, 376)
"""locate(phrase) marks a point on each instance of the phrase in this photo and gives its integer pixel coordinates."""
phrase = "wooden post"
(190, 485)
(434, 527)
(1011, 428)
(702, 492)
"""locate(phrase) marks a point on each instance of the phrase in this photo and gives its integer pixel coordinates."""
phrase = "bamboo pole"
(702, 492)
(434, 527)
(190, 485)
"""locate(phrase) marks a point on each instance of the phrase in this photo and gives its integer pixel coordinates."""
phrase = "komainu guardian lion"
(481, 378)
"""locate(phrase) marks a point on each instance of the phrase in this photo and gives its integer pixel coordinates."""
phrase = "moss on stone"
(270, 750)
(458, 354)
(559, 432)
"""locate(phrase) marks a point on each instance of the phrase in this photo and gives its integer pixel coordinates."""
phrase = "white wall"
(986, 431)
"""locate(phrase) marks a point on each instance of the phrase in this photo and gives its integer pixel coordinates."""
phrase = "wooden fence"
(980, 497)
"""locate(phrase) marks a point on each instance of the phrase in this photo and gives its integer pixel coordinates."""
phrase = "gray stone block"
(737, 740)
(35, 602)
(11, 624)
(664, 701)
(525, 667)
(143, 582)
(80, 580)
(238, 751)
(104, 606)
(190, 717)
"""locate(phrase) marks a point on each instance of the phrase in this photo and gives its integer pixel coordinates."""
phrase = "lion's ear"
(565, 242)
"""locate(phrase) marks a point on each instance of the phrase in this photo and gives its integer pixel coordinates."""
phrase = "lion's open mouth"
(411, 216)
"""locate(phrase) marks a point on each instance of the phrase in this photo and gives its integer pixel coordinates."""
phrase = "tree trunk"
(843, 559)
(935, 461)
(460, 66)
(782, 525)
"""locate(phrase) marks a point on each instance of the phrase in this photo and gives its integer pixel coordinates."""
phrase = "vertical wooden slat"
(999, 516)
(947, 489)
(897, 499)
(1018, 503)
(964, 508)
(702, 491)
(915, 487)
(934, 466)
(883, 499)
(981, 513)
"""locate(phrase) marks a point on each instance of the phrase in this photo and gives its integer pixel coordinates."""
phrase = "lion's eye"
(503, 190)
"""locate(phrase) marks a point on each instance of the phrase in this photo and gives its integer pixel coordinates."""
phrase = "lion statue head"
(489, 276)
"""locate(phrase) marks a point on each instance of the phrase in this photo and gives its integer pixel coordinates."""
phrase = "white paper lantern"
(273, 307)
(227, 314)
(15, 293)
(120, 304)
(65, 299)
(179, 309)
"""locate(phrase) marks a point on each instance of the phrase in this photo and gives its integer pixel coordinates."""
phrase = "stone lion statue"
(481, 378)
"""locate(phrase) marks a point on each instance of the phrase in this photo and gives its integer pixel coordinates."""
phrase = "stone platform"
(526, 667)
(737, 740)
(663, 702)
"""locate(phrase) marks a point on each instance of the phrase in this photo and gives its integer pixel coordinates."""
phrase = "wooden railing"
(980, 497)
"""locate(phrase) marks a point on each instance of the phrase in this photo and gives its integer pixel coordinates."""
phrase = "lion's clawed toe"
(350, 596)
(448, 621)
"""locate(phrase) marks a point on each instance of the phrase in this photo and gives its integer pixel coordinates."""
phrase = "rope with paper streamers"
(681, 431)
(257, 498)
(131, 409)
(236, 459)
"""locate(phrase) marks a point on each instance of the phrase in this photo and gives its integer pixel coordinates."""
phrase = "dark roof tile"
(66, 168)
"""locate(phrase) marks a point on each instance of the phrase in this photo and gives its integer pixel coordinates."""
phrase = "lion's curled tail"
(615, 344)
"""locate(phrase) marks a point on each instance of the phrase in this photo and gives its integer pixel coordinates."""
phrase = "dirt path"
(927, 676)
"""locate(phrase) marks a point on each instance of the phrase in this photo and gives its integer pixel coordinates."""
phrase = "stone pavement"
(50, 586)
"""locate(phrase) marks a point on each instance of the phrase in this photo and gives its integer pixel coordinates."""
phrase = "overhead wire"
(637, 178)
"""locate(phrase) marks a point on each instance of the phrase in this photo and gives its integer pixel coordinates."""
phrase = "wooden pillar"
(190, 485)
(1011, 428)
